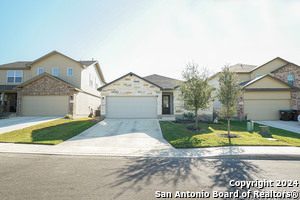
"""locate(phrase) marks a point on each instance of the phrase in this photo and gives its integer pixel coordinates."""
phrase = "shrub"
(189, 116)
(69, 116)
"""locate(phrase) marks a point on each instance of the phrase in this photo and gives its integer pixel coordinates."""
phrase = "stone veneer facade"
(46, 86)
(131, 86)
(134, 86)
(282, 74)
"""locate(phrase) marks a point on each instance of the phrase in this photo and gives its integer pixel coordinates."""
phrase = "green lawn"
(53, 132)
(179, 137)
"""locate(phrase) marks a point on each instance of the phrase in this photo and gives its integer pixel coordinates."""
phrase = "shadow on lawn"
(62, 132)
(192, 172)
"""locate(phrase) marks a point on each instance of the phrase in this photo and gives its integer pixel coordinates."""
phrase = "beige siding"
(85, 80)
(3, 77)
(266, 69)
(267, 82)
(131, 86)
(86, 104)
(45, 105)
(243, 77)
(62, 63)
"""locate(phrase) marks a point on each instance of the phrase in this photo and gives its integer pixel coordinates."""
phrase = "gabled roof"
(27, 64)
(241, 68)
(284, 66)
(247, 83)
(164, 82)
(15, 65)
(268, 63)
(129, 74)
(48, 75)
(51, 53)
(7, 88)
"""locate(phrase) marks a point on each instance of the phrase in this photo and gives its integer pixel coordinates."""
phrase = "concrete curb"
(242, 156)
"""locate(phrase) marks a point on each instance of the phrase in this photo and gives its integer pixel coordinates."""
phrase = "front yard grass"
(53, 132)
(179, 137)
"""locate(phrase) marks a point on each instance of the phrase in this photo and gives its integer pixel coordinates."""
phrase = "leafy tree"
(229, 93)
(196, 92)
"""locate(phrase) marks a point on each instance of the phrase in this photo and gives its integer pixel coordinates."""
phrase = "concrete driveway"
(16, 123)
(285, 125)
(120, 137)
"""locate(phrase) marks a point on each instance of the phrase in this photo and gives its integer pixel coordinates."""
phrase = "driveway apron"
(121, 136)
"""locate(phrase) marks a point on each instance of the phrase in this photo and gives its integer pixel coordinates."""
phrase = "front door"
(166, 104)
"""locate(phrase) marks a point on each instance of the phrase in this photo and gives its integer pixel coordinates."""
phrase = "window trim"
(38, 69)
(14, 76)
(53, 71)
(293, 80)
(68, 71)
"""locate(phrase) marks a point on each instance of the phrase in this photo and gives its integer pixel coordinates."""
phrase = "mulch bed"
(225, 135)
(192, 128)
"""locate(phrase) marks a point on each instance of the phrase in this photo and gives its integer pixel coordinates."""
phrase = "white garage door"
(131, 107)
(267, 109)
(44, 105)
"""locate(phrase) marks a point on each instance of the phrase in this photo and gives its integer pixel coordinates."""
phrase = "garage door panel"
(131, 107)
(44, 105)
(266, 109)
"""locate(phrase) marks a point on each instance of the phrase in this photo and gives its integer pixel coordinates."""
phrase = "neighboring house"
(132, 96)
(267, 89)
(52, 85)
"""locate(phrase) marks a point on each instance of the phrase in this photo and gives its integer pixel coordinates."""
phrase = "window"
(55, 71)
(70, 71)
(40, 71)
(91, 80)
(258, 75)
(14, 76)
(290, 79)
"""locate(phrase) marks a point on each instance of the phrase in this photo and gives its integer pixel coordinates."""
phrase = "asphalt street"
(27, 176)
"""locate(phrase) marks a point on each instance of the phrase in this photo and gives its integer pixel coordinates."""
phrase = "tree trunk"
(196, 118)
(228, 123)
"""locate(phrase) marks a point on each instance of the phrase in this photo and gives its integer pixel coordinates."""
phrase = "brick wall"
(46, 86)
(282, 74)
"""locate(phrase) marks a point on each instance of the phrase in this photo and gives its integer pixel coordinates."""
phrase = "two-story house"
(267, 88)
(52, 85)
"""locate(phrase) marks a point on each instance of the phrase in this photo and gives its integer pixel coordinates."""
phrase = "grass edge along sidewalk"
(53, 132)
(179, 137)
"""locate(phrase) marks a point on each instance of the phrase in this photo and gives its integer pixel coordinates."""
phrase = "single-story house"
(154, 96)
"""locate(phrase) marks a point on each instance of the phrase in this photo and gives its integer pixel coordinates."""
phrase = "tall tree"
(228, 94)
(196, 92)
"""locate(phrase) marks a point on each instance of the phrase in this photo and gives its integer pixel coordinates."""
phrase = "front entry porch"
(167, 106)
(8, 104)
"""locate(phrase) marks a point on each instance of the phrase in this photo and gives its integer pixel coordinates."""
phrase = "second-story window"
(290, 79)
(15, 76)
(55, 71)
(70, 71)
(258, 75)
(91, 80)
(96, 84)
(40, 71)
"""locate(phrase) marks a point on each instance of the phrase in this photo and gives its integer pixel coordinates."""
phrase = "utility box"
(250, 126)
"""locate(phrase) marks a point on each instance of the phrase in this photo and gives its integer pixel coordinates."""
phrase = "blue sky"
(153, 36)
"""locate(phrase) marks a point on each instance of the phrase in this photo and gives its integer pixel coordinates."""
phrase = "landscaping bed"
(178, 136)
(53, 132)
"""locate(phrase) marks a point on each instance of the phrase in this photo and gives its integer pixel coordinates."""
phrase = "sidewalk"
(274, 152)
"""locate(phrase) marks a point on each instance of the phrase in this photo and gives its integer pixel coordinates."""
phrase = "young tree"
(196, 92)
(229, 93)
